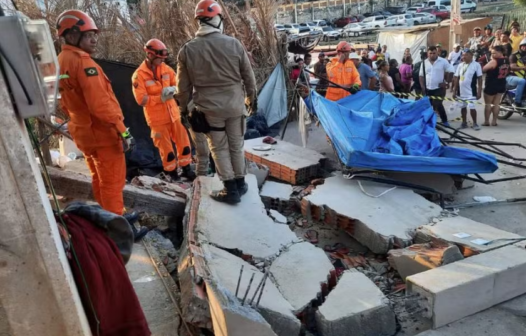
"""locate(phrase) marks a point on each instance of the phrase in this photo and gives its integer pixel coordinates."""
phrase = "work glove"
(128, 142)
(354, 88)
(185, 119)
(168, 93)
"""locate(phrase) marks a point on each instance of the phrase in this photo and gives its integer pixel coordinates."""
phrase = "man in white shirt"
(386, 53)
(438, 75)
(455, 56)
(467, 86)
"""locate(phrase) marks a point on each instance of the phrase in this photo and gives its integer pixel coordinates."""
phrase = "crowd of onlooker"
(500, 56)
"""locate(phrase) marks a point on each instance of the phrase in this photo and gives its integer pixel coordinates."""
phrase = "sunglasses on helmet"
(160, 53)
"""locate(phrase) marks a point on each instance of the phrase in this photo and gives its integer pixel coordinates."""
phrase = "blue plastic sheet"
(379, 131)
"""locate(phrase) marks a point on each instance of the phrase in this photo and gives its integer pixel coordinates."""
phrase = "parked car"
(330, 33)
(354, 29)
(311, 25)
(279, 28)
(379, 21)
(440, 12)
(382, 12)
(320, 23)
(342, 22)
(404, 20)
(466, 6)
(414, 9)
(424, 18)
(396, 10)
(292, 28)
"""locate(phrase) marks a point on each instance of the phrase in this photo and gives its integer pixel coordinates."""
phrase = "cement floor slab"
(395, 214)
(299, 273)
(224, 270)
(159, 309)
(245, 226)
(446, 228)
(276, 190)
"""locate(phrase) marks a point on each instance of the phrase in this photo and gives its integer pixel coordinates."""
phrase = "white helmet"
(523, 42)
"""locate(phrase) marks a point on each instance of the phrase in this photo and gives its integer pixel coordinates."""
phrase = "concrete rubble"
(465, 287)
(276, 196)
(278, 218)
(287, 162)
(377, 222)
(422, 257)
(300, 272)
(464, 233)
(245, 227)
(355, 306)
(225, 269)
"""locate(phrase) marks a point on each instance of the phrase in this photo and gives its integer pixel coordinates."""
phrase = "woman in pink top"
(386, 82)
(406, 74)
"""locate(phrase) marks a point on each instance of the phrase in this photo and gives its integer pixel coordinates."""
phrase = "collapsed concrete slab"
(380, 223)
(78, 186)
(299, 273)
(245, 227)
(466, 287)
(356, 306)
(224, 273)
(467, 234)
(287, 162)
(422, 257)
(276, 196)
(278, 218)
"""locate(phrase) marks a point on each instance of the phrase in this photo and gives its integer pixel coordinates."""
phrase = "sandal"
(485, 124)
(495, 124)
(270, 141)
(311, 236)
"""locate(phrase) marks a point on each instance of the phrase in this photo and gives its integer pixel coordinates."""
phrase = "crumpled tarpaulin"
(379, 131)
(272, 98)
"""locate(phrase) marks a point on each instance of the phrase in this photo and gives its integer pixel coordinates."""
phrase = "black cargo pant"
(438, 104)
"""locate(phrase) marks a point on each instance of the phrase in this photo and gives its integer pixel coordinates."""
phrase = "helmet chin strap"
(208, 21)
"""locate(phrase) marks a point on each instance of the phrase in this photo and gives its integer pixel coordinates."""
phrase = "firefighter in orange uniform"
(96, 120)
(154, 87)
(341, 71)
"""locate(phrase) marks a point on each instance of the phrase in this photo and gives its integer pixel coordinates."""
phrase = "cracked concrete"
(245, 227)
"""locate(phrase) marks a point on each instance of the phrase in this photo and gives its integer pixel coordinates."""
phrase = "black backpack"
(416, 72)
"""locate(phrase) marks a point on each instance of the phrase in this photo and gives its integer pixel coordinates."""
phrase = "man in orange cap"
(342, 71)
(215, 68)
(96, 120)
(154, 87)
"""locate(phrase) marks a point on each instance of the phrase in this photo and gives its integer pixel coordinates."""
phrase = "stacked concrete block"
(276, 196)
(355, 307)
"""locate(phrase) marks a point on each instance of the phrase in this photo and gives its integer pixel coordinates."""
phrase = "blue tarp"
(379, 131)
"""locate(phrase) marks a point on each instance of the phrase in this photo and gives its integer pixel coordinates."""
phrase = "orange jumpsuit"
(344, 74)
(163, 118)
(96, 123)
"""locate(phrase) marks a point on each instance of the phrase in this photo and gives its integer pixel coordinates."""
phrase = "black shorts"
(491, 91)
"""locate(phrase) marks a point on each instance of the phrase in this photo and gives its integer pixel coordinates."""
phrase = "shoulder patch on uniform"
(135, 84)
(90, 72)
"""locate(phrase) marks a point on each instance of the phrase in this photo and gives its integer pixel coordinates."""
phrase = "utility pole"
(455, 27)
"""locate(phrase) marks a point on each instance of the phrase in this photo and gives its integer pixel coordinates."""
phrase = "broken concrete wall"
(466, 287)
(377, 216)
(356, 307)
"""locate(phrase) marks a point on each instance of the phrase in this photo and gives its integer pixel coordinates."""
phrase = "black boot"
(242, 187)
(229, 194)
(188, 173)
(173, 174)
(131, 217)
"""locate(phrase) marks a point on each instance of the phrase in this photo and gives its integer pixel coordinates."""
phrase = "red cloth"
(295, 73)
(114, 300)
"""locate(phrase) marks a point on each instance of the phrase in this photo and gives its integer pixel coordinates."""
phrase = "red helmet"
(75, 21)
(156, 48)
(343, 47)
(207, 9)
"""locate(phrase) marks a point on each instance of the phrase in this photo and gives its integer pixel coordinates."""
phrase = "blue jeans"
(518, 82)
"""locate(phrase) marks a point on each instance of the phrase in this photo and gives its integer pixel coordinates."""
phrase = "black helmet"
(488, 27)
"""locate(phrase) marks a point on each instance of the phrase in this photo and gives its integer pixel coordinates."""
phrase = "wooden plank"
(78, 186)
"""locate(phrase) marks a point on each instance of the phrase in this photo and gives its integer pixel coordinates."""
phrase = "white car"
(404, 20)
(320, 23)
(379, 21)
(414, 9)
(330, 33)
(279, 28)
(311, 25)
(354, 29)
(292, 28)
(424, 18)
(466, 6)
